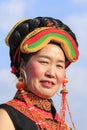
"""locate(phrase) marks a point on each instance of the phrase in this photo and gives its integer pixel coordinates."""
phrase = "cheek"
(34, 70)
(61, 76)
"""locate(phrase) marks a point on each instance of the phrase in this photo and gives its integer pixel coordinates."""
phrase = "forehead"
(51, 48)
(52, 51)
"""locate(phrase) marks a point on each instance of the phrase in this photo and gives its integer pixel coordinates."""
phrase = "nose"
(50, 72)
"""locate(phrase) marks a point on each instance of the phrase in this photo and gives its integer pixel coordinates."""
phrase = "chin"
(45, 96)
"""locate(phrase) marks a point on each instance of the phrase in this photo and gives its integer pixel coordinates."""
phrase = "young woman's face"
(45, 71)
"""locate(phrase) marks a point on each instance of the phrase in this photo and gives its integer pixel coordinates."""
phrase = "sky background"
(74, 14)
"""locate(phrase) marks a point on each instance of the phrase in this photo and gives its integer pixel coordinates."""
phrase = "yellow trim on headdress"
(40, 37)
(12, 30)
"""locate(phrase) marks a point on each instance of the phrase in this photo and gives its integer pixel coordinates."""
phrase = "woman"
(40, 51)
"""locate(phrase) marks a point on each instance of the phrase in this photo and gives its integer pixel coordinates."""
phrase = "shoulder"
(18, 119)
(3, 111)
(5, 121)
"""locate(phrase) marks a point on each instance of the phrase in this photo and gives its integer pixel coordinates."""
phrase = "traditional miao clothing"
(38, 114)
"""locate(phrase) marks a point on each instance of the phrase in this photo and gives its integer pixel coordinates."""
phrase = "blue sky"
(71, 12)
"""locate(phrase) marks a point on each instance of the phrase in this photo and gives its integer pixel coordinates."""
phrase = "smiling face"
(45, 71)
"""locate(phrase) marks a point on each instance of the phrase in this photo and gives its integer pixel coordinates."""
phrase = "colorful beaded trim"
(40, 37)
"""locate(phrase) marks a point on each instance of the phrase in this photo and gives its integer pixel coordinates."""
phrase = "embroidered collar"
(41, 113)
(41, 103)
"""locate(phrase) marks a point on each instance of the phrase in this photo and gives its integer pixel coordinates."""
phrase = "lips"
(47, 83)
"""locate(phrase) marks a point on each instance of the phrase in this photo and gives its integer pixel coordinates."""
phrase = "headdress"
(39, 37)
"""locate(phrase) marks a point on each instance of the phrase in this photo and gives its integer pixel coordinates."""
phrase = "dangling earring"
(25, 77)
(64, 101)
(65, 80)
(20, 85)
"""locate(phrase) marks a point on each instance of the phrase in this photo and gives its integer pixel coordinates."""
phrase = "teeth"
(48, 83)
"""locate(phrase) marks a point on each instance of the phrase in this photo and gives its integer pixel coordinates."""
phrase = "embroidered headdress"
(31, 35)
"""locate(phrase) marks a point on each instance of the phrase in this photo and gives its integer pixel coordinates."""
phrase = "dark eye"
(60, 66)
(43, 62)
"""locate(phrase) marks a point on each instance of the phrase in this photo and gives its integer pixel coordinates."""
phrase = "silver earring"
(24, 76)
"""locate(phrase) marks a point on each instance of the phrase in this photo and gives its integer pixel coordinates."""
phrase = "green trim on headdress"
(40, 37)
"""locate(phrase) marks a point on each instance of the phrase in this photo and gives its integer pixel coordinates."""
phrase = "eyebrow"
(47, 57)
(44, 56)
